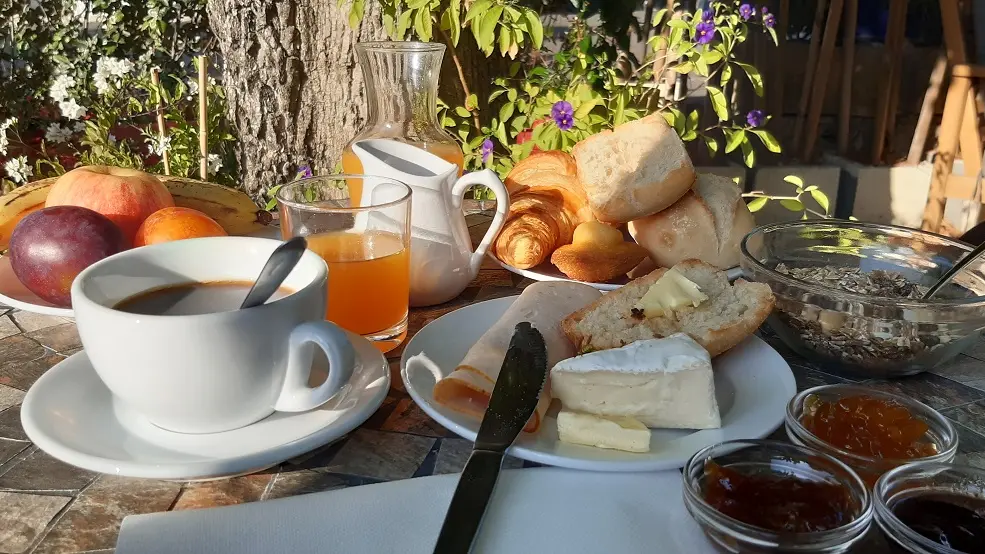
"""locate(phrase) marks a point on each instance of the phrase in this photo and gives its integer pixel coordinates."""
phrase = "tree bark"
(291, 79)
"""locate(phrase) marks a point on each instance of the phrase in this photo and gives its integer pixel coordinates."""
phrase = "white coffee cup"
(217, 371)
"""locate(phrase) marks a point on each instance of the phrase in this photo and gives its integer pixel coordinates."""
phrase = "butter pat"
(663, 383)
(672, 291)
(616, 433)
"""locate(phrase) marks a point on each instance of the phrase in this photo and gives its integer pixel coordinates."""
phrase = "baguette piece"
(731, 313)
(635, 170)
(707, 224)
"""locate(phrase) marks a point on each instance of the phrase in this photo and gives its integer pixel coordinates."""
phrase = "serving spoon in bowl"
(278, 267)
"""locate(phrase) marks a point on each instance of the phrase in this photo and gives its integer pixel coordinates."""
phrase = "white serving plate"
(753, 384)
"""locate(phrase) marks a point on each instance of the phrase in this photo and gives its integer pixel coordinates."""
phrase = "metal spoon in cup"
(277, 268)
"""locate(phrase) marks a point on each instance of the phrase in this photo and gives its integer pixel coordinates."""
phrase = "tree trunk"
(291, 78)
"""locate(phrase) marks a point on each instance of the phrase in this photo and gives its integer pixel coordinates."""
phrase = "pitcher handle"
(488, 178)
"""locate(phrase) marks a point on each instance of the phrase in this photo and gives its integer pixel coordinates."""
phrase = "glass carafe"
(402, 92)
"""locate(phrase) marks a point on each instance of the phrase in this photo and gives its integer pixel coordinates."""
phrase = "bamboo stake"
(203, 115)
(155, 78)
(847, 73)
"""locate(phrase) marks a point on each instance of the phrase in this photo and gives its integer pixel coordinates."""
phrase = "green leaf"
(486, 33)
(821, 199)
(534, 27)
(794, 180)
(678, 24)
(505, 39)
(711, 57)
(718, 102)
(403, 23)
(769, 141)
(472, 102)
(726, 75)
(810, 188)
(587, 107)
(476, 9)
(511, 94)
(461, 111)
(356, 12)
(506, 112)
(757, 203)
(748, 154)
(677, 121)
(619, 114)
(659, 17)
(501, 133)
(772, 33)
(693, 119)
(684, 68)
(455, 14)
(702, 67)
(733, 139)
(496, 94)
(792, 205)
(754, 77)
(712, 145)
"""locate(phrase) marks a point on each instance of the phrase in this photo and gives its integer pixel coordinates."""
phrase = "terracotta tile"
(9, 449)
(58, 338)
(10, 424)
(971, 416)
(935, 391)
(453, 453)
(7, 327)
(381, 455)
(210, 494)
(408, 418)
(32, 322)
(305, 481)
(92, 522)
(9, 396)
(40, 472)
(25, 517)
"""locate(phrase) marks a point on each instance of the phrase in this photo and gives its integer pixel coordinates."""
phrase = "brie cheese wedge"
(664, 383)
(616, 433)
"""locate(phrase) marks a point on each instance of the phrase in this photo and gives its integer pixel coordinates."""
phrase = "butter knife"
(513, 401)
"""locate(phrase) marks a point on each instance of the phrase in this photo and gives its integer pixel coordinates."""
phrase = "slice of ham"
(543, 305)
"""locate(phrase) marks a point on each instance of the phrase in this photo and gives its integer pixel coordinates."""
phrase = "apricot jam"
(779, 502)
(868, 426)
(951, 520)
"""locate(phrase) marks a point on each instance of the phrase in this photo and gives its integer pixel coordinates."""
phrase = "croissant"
(546, 204)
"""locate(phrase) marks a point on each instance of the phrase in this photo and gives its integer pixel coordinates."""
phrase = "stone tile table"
(47, 506)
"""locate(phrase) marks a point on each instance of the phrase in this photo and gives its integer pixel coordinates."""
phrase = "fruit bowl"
(848, 294)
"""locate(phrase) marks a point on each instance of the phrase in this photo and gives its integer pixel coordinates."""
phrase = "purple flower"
(756, 118)
(708, 15)
(487, 150)
(304, 172)
(563, 115)
(704, 32)
(769, 20)
(746, 11)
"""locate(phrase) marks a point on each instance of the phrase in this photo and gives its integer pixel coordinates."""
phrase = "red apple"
(125, 196)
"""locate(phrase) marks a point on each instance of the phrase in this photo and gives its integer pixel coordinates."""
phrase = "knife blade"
(513, 400)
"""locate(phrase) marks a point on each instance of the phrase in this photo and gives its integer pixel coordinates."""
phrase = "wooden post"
(897, 17)
(926, 117)
(847, 73)
(155, 78)
(897, 80)
(947, 149)
(805, 91)
(203, 115)
(776, 79)
(821, 77)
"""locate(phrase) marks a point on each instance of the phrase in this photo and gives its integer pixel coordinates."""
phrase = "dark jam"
(868, 426)
(957, 522)
(782, 503)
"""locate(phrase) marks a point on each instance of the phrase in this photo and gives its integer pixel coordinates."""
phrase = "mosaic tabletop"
(47, 506)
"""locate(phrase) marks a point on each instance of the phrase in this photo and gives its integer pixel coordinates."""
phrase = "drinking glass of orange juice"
(365, 240)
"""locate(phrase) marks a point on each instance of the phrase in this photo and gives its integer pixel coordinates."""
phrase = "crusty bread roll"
(707, 224)
(635, 170)
(597, 253)
(731, 313)
(546, 204)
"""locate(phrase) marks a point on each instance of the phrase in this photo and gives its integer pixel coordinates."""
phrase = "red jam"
(868, 426)
(779, 502)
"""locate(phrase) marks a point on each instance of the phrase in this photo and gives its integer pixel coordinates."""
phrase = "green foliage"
(796, 201)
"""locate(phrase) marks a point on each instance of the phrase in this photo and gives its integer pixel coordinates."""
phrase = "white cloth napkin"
(541, 510)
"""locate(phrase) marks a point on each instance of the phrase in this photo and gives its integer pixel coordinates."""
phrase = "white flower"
(71, 109)
(158, 145)
(153, 13)
(80, 8)
(108, 72)
(59, 88)
(111, 138)
(215, 164)
(78, 127)
(192, 86)
(56, 133)
(4, 142)
(18, 170)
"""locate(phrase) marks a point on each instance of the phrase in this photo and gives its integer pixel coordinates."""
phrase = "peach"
(171, 224)
(125, 196)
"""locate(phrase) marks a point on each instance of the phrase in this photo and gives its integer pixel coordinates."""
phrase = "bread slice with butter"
(614, 433)
(663, 383)
(718, 316)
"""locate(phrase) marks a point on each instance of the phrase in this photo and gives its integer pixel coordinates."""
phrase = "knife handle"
(469, 502)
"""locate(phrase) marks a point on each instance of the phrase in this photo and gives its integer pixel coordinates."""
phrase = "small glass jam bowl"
(773, 458)
(922, 480)
(940, 432)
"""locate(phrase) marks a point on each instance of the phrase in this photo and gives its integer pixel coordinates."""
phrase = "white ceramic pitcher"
(442, 262)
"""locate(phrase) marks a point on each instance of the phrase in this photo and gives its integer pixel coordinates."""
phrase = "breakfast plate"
(16, 295)
(70, 414)
(753, 385)
(547, 272)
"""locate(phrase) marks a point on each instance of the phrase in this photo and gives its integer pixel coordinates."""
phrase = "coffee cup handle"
(296, 395)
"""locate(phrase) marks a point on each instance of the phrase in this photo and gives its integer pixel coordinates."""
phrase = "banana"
(233, 209)
(18, 203)
(230, 208)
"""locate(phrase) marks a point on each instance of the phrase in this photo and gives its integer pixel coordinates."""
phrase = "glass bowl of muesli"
(848, 294)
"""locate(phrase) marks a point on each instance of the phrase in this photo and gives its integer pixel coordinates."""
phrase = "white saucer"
(16, 295)
(752, 381)
(70, 414)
